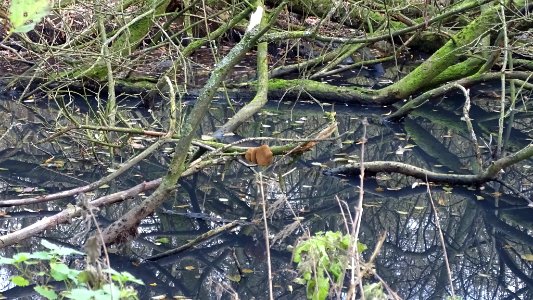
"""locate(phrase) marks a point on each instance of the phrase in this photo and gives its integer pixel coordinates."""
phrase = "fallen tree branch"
(486, 175)
(87, 188)
(71, 212)
(446, 88)
(122, 229)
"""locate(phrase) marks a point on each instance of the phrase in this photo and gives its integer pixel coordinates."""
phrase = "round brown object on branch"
(261, 155)
(250, 155)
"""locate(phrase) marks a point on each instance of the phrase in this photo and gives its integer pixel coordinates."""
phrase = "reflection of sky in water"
(295, 188)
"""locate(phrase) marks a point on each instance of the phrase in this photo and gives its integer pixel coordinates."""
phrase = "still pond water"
(487, 231)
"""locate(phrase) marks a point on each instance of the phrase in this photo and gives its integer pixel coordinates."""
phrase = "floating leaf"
(235, 278)
(163, 240)
(528, 257)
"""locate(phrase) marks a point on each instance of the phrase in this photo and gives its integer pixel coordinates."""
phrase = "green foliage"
(322, 258)
(20, 281)
(46, 292)
(374, 291)
(25, 14)
(76, 281)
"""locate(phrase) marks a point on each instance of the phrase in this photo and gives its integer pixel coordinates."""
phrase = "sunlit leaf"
(6, 260)
(361, 247)
(60, 271)
(123, 277)
(163, 240)
(46, 292)
(528, 257)
(62, 251)
(234, 278)
(25, 14)
(20, 281)
(21, 257)
(82, 293)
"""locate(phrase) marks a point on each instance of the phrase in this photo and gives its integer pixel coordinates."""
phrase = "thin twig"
(356, 226)
(441, 237)
(499, 145)
(466, 116)
(267, 237)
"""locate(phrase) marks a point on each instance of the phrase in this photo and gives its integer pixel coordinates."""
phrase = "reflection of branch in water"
(489, 174)
(200, 239)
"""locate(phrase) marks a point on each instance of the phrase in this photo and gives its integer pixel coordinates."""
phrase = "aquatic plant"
(323, 259)
(75, 284)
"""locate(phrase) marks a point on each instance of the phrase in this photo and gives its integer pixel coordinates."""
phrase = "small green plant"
(76, 281)
(322, 259)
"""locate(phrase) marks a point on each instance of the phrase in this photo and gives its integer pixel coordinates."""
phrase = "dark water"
(487, 230)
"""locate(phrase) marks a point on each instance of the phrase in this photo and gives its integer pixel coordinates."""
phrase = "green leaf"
(124, 277)
(84, 277)
(336, 270)
(25, 14)
(41, 255)
(20, 281)
(61, 251)
(163, 240)
(111, 289)
(21, 257)
(6, 261)
(82, 294)
(128, 293)
(299, 280)
(323, 288)
(361, 247)
(60, 272)
(374, 291)
(46, 292)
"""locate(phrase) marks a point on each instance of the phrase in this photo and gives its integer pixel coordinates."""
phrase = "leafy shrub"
(76, 281)
(322, 259)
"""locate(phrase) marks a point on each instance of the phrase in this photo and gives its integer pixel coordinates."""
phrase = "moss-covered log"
(443, 65)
